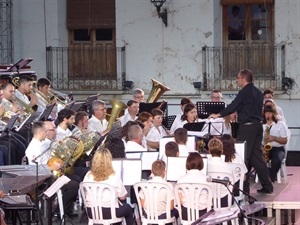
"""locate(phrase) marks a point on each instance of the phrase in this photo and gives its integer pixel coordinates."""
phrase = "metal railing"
(221, 65)
(86, 68)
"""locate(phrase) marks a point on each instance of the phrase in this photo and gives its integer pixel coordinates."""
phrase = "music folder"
(27, 122)
(198, 126)
(204, 109)
(77, 106)
(10, 124)
(46, 113)
(147, 107)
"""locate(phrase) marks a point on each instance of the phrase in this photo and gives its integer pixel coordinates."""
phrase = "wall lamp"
(287, 83)
(128, 85)
(197, 86)
(163, 15)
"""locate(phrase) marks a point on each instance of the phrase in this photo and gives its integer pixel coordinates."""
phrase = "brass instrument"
(117, 107)
(89, 139)
(157, 90)
(65, 153)
(26, 107)
(267, 145)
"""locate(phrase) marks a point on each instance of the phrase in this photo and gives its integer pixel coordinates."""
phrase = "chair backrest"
(287, 145)
(92, 194)
(219, 190)
(238, 174)
(192, 195)
(153, 193)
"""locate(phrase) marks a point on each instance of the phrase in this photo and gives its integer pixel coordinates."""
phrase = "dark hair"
(37, 126)
(79, 116)
(180, 135)
(116, 147)
(131, 102)
(188, 107)
(247, 74)
(194, 161)
(185, 100)
(43, 82)
(25, 79)
(144, 116)
(272, 109)
(228, 147)
(157, 112)
(64, 113)
(171, 149)
(4, 86)
(268, 91)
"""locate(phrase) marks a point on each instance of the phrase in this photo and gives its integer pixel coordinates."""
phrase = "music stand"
(147, 107)
(46, 113)
(19, 65)
(77, 106)
(194, 126)
(69, 105)
(6, 130)
(234, 129)
(204, 109)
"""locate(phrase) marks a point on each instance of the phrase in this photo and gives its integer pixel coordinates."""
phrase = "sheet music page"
(132, 171)
(61, 181)
(162, 143)
(133, 155)
(147, 159)
(117, 165)
(175, 168)
(197, 133)
(240, 149)
(204, 170)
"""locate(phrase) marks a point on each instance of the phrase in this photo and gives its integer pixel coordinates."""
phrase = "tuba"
(65, 153)
(157, 90)
(117, 107)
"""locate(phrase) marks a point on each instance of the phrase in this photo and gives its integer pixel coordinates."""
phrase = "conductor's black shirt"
(248, 105)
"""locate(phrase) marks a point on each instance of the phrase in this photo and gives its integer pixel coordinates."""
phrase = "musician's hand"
(16, 108)
(2, 110)
(214, 116)
(2, 194)
(33, 99)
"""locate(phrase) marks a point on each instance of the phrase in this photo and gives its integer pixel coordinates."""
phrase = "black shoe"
(264, 190)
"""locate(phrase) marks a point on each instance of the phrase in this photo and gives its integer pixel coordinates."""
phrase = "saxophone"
(267, 145)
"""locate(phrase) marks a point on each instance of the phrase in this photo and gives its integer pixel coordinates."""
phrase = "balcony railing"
(221, 65)
(86, 68)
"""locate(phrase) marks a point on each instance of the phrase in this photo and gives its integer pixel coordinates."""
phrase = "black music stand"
(147, 107)
(234, 129)
(46, 113)
(7, 131)
(194, 126)
(69, 105)
(168, 121)
(78, 106)
(19, 65)
(204, 109)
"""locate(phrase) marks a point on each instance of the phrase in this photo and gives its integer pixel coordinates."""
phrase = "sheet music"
(175, 168)
(28, 120)
(240, 149)
(197, 133)
(147, 159)
(117, 165)
(129, 170)
(133, 155)
(61, 181)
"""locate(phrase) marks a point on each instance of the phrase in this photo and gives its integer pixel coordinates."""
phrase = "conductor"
(248, 104)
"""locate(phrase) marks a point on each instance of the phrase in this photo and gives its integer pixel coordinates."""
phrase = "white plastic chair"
(193, 194)
(282, 172)
(92, 196)
(152, 191)
(239, 174)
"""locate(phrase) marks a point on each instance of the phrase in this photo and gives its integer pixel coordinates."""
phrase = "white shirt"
(45, 148)
(125, 118)
(23, 98)
(132, 146)
(177, 123)
(155, 134)
(33, 150)
(97, 125)
(195, 176)
(161, 204)
(112, 180)
(61, 133)
(278, 129)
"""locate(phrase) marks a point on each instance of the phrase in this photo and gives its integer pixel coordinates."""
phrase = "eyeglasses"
(104, 109)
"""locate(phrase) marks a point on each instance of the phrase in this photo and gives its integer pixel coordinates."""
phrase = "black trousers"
(276, 155)
(253, 134)
(69, 193)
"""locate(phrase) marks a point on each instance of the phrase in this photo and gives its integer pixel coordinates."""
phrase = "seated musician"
(97, 122)
(102, 172)
(147, 119)
(216, 95)
(157, 131)
(133, 110)
(81, 123)
(270, 102)
(2, 214)
(194, 165)
(43, 85)
(65, 119)
(25, 91)
(269, 95)
(275, 134)
(181, 138)
(171, 150)
(8, 95)
(135, 137)
(159, 172)
(177, 121)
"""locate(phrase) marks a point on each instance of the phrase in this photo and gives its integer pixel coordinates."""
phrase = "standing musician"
(133, 110)
(97, 122)
(276, 136)
(25, 91)
(157, 131)
(65, 119)
(248, 104)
